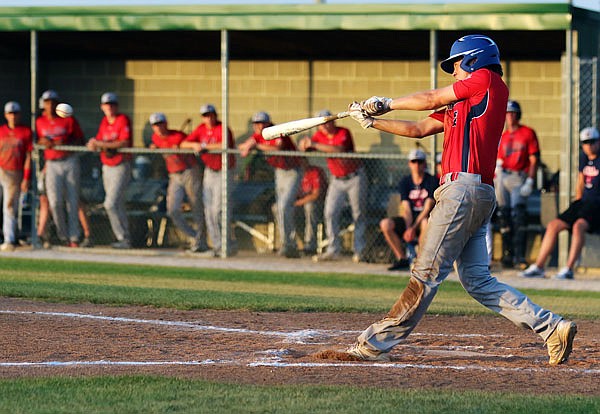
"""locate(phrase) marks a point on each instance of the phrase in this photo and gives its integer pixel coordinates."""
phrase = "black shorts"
(580, 209)
(399, 226)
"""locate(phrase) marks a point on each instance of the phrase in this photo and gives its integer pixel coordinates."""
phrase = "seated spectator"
(311, 199)
(185, 179)
(582, 215)
(416, 194)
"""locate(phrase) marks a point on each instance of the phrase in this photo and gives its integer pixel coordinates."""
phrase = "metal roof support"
(433, 52)
(224, 156)
(35, 164)
(567, 158)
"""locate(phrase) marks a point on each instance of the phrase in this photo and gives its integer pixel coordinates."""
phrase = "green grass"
(144, 394)
(190, 288)
(185, 288)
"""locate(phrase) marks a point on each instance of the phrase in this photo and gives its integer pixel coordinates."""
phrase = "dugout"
(294, 59)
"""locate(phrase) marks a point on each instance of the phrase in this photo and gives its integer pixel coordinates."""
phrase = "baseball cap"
(589, 134)
(323, 112)
(513, 106)
(207, 109)
(416, 154)
(50, 95)
(438, 157)
(109, 97)
(261, 117)
(157, 118)
(12, 107)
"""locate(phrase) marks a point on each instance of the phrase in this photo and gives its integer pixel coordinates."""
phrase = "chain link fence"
(589, 100)
(253, 226)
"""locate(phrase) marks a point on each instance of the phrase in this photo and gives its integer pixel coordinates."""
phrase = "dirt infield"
(279, 348)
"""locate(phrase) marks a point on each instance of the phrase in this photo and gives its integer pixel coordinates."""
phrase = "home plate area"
(467, 352)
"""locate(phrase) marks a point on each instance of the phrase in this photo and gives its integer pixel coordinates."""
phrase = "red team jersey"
(339, 167)
(14, 145)
(62, 131)
(119, 130)
(473, 125)
(516, 147)
(175, 162)
(212, 136)
(314, 177)
(276, 161)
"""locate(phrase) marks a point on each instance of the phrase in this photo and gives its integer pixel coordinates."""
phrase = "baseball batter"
(349, 181)
(62, 168)
(16, 144)
(114, 133)
(185, 179)
(208, 136)
(287, 179)
(518, 158)
(471, 118)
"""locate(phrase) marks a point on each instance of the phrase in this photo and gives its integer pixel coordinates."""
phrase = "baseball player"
(62, 168)
(349, 181)
(208, 136)
(287, 179)
(471, 117)
(582, 215)
(114, 133)
(16, 144)
(311, 199)
(518, 159)
(416, 194)
(185, 178)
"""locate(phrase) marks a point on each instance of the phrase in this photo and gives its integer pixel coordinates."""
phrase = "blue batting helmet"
(476, 51)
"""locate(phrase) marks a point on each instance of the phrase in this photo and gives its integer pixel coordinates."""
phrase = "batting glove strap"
(359, 116)
(376, 105)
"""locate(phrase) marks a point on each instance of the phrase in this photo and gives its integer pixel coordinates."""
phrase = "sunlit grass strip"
(150, 394)
(189, 288)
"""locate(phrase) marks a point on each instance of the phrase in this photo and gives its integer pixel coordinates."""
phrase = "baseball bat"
(293, 127)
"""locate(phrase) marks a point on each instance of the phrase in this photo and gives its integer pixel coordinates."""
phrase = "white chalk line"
(280, 364)
(301, 336)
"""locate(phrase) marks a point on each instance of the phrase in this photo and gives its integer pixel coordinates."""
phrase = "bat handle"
(344, 114)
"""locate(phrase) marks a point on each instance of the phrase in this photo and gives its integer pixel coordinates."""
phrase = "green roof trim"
(547, 16)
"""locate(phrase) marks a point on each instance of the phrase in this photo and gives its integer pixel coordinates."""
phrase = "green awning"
(550, 16)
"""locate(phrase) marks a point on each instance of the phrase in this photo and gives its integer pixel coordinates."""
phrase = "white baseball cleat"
(360, 352)
(560, 342)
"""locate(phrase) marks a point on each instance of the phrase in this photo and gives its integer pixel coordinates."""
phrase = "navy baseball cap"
(157, 118)
(12, 107)
(261, 117)
(208, 109)
(109, 97)
(50, 95)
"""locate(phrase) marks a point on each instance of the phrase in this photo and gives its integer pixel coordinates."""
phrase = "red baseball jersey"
(14, 145)
(119, 130)
(516, 147)
(285, 144)
(313, 178)
(473, 125)
(175, 162)
(339, 167)
(62, 131)
(212, 136)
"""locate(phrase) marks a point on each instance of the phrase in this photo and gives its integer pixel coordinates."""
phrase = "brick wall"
(287, 90)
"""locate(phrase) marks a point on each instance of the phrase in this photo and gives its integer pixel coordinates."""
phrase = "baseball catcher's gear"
(376, 105)
(360, 116)
(476, 51)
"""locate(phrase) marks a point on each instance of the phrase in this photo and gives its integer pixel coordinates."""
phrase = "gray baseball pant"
(188, 182)
(115, 180)
(355, 191)
(62, 189)
(313, 215)
(211, 192)
(456, 232)
(286, 188)
(10, 181)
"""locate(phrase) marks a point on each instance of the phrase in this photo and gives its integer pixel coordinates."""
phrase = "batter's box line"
(301, 336)
(277, 364)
